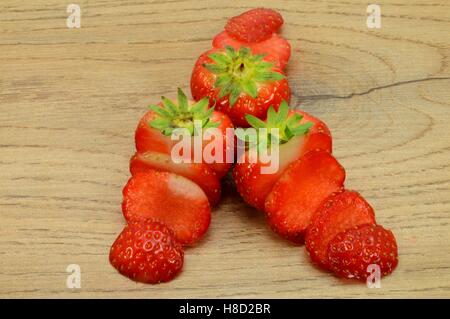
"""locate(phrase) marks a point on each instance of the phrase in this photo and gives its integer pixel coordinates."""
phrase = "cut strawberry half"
(338, 213)
(304, 185)
(199, 173)
(254, 25)
(155, 129)
(170, 199)
(276, 49)
(351, 253)
(252, 184)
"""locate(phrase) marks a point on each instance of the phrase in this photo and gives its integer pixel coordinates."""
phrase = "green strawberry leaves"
(171, 116)
(240, 72)
(287, 125)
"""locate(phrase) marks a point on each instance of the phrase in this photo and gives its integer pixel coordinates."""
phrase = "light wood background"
(71, 98)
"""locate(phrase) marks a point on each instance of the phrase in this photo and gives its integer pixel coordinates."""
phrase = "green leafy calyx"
(171, 115)
(240, 71)
(287, 125)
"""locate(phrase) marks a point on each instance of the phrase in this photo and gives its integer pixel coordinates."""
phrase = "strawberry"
(154, 130)
(304, 185)
(276, 48)
(299, 133)
(170, 199)
(337, 213)
(199, 173)
(352, 251)
(254, 25)
(147, 252)
(239, 83)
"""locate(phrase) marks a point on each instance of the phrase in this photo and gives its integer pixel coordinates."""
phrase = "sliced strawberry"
(276, 48)
(304, 185)
(337, 213)
(225, 125)
(223, 39)
(254, 25)
(170, 199)
(251, 182)
(147, 251)
(319, 135)
(154, 130)
(351, 252)
(199, 173)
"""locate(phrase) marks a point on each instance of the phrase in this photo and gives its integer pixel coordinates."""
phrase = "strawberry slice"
(200, 173)
(148, 252)
(170, 199)
(338, 213)
(351, 252)
(251, 182)
(276, 49)
(304, 185)
(254, 25)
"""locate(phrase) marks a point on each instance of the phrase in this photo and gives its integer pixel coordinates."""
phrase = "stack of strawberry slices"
(243, 72)
(240, 82)
(305, 199)
(167, 203)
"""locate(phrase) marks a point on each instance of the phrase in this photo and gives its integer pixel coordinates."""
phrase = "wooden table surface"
(70, 100)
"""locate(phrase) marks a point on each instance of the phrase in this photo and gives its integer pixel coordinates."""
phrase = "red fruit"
(199, 173)
(304, 185)
(336, 214)
(228, 146)
(147, 252)
(170, 199)
(352, 251)
(276, 49)
(254, 25)
(151, 139)
(153, 132)
(239, 83)
(251, 182)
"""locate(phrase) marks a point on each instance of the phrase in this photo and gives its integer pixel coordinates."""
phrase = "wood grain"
(70, 100)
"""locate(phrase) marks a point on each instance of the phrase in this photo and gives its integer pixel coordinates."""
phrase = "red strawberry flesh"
(254, 186)
(202, 174)
(254, 25)
(168, 198)
(304, 185)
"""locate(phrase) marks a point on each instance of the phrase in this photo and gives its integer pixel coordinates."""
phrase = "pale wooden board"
(70, 100)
